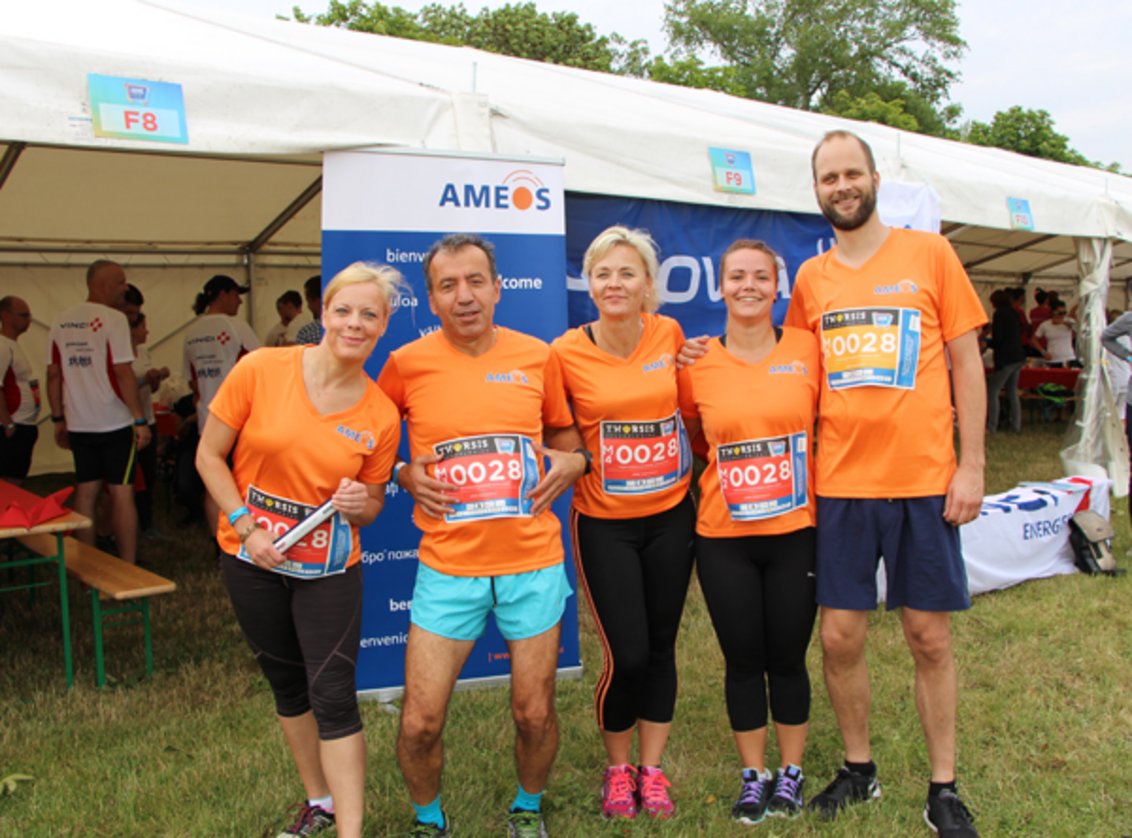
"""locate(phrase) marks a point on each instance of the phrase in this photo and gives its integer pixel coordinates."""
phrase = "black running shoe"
(847, 787)
(419, 829)
(786, 802)
(754, 795)
(946, 816)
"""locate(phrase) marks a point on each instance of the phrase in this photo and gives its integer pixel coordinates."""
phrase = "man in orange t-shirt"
(886, 303)
(478, 398)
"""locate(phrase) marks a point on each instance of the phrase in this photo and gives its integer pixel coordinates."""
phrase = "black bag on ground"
(1090, 536)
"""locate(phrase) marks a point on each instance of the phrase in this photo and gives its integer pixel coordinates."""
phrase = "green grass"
(1044, 737)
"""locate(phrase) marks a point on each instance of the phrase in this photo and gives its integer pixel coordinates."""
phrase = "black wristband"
(58, 419)
(585, 452)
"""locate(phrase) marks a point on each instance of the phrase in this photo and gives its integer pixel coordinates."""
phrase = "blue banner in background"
(389, 209)
(691, 239)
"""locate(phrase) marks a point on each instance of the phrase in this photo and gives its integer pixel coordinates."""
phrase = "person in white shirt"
(1057, 336)
(214, 342)
(286, 331)
(95, 404)
(19, 404)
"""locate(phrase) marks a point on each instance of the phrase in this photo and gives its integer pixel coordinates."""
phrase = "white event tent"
(265, 98)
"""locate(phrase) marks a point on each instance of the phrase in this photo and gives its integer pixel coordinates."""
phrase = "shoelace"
(619, 784)
(652, 787)
(752, 792)
(786, 786)
(304, 816)
(525, 823)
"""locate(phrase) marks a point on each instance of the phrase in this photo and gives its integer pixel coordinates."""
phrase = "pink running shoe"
(619, 792)
(652, 788)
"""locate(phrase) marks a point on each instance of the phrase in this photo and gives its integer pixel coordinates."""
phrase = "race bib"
(763, 478)
(493, 474)
(639, 458)
(871, 347)
(323, 552)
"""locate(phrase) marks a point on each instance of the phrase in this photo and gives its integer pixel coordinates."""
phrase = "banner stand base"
(387, 694)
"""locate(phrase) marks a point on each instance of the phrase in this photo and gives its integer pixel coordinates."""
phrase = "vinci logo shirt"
(86, 342)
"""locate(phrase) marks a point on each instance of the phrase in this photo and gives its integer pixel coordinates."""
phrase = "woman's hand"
(260, 548)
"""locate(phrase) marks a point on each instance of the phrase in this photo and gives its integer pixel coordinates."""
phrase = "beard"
(866, 206)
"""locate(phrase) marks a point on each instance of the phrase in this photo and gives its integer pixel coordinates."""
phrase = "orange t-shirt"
(627, 411)
(885, 427)
(482, 415)
(758, 420)
(290, 452)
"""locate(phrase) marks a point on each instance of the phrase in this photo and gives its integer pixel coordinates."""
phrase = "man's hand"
(430, 494)
(692, 350)
(565, 468)
(964, 496)
(141, 433)
(61, 437)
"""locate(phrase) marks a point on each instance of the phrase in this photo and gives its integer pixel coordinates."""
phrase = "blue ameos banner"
(691, 240)
(389, 208)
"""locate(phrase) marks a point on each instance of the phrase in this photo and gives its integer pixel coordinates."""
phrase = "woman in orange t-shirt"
(304, 424)
(632, 520)
(754, 394)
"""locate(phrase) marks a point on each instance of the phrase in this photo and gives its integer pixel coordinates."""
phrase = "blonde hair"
(641, 242)
(388, 281)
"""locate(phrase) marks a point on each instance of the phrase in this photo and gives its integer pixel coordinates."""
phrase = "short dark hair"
(134, 295)
(6, 303)
(840, 134)
(312, 288)
(457, 241)
(290, 297)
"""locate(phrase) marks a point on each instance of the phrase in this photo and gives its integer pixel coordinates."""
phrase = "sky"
(1032, 53)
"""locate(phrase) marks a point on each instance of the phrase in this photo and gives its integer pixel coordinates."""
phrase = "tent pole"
(8, 161)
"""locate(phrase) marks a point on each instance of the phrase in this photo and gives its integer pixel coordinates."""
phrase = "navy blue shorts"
(923, 561)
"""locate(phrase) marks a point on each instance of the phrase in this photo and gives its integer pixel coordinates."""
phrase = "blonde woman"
(632, 520)
(305, 424)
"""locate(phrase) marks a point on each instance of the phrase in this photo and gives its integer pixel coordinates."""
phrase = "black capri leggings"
(304, 634)
(635, 573)
(760, 594)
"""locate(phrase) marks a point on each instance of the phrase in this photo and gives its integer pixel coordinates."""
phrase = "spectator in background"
(1009, 358)
(311, 333)
(1041, 311)
(213, 345)
(95, 404)
(1056, 336)
(286, 331)
(19, 406)
(149, 378)
(1017, 297)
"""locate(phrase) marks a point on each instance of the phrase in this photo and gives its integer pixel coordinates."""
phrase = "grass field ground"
(1045, 732)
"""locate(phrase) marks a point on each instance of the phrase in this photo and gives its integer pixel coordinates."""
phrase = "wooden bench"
(109, 578)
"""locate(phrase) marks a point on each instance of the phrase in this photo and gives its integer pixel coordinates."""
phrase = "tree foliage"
(517, 29)
(833, 55)
(1029, 132)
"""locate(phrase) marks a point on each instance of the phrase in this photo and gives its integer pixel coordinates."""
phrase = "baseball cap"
(221, 283)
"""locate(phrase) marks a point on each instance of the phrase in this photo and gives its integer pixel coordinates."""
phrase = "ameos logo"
(793, 368)
(904, 286)
(364, 438)
(520, 190)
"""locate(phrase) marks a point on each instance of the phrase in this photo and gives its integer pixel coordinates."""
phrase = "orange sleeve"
(555, 406)
(378, 463)
(392, 384)
(796, 313)
(232, 403)
(960, 307)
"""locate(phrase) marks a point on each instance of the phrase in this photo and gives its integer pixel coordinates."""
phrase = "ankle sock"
(527, 801)
(935, 788)
(326, 804)
(868, 769)
(430, 813)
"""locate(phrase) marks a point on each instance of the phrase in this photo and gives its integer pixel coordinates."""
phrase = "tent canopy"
(264, 98)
